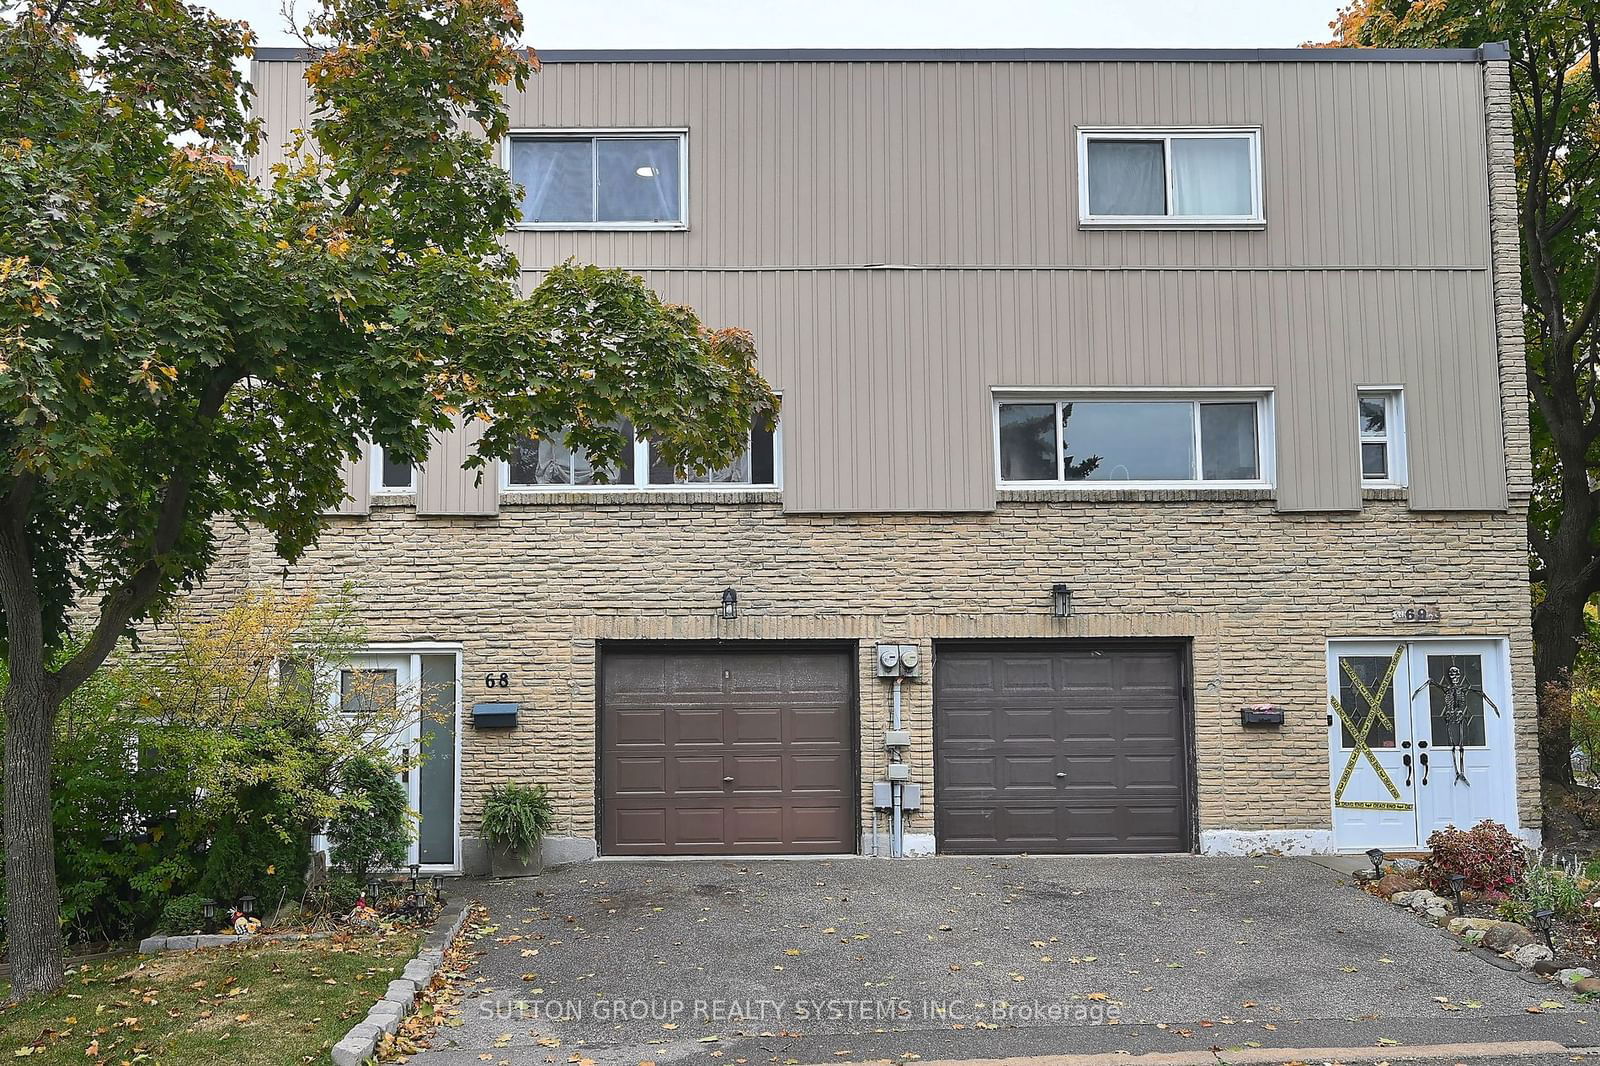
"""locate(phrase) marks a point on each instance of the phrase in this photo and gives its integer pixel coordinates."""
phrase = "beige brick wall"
(1257, 592)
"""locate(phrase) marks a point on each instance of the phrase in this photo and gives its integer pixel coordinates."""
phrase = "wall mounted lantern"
(1061, 599)
(730, 603)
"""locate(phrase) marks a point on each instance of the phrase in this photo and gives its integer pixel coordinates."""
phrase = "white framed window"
(549, 464)
(389, 476)
(1380, 424)
(1147, 437)
(601, 179)
(1193, 177)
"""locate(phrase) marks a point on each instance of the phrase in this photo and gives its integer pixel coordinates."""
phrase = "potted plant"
(515, 820)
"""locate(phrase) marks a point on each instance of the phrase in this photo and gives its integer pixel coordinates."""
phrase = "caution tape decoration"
(1374, 702)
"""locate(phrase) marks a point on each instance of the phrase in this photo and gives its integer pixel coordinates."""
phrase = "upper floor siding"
(902, 233)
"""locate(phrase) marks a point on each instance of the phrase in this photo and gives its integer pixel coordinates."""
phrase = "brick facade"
(1257, 592)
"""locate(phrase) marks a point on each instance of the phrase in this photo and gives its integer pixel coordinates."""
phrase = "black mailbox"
(495, 715)
(1261, 714)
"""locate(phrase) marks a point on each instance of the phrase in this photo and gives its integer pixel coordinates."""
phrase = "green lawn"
(268, 1004)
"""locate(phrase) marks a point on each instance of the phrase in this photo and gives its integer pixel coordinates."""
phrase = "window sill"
(600, 227)
(1135, 495)
(1161, 224)
(655, 497)
(1385, 492)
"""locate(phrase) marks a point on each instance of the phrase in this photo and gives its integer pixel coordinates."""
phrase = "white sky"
(892, 23)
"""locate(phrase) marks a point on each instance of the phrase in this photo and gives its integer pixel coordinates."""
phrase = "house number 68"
(500, 680)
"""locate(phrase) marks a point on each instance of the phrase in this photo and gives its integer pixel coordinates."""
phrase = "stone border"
(1524, 955)
(400, 999)
(152, 945)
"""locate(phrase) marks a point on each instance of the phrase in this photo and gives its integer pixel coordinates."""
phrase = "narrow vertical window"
(1382, 436)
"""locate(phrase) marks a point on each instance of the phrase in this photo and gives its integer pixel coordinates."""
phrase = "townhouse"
(1151, 475)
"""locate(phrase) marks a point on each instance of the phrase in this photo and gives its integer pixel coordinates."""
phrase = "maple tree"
(183, 346)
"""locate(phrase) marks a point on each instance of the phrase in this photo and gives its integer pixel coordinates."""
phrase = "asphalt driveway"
(809, 961)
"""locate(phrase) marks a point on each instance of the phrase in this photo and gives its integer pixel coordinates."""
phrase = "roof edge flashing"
(1497, 50)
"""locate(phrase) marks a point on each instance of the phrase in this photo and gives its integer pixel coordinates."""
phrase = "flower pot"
(504, 863)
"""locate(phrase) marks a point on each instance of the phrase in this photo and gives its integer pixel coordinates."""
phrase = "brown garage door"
(1049, 747)
(727, 752)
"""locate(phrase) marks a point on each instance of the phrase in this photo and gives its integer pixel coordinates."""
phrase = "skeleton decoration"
(1457, 714)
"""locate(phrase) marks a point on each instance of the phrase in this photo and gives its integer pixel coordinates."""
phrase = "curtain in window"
(557, 179)
(1127, 178)
(638, 179)
(1211, 176)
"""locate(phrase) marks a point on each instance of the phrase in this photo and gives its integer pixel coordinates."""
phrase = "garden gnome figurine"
(1456, 712)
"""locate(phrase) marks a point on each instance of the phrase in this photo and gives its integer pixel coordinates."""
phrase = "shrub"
(1546, 889)
(186, 914)
(1490, 858)
(251, 854)
(516, 818)
(1515, 910)
(343, 892)
(193, 774)
(372, 829)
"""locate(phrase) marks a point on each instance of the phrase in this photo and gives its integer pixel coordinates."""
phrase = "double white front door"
(1419, 738)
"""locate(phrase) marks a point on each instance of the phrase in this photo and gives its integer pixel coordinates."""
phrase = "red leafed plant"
(1490, 858)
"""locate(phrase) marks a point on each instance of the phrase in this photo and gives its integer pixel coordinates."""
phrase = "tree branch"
(140, 588)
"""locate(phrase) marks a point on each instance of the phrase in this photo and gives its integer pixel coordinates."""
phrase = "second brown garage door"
(716, 752)
(1052, 747)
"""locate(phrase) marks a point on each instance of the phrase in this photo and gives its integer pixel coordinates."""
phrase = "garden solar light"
(209, 909)
(247, 904)
(438, 887)
(1457, 883)
(1541, 921)
(372, 890)
(1377, 856)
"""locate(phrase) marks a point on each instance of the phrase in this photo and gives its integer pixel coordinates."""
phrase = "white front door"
(378, 683)
(424, 687)
(1419, 739)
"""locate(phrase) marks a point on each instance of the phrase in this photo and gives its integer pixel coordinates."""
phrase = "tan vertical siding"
(444, 487)
(357, 476)
(902, 237)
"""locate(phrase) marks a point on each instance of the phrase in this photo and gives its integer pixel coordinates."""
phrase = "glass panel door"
(1371, 747)
(384, 684)
(1463, 730)
(436, 785)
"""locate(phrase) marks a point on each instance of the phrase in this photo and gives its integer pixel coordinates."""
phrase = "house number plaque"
(1418, 613)
(500, 680)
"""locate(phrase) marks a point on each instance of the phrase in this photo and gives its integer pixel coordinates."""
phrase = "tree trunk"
(33, 905)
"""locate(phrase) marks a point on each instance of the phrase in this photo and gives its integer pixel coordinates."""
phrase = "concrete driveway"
(812, 961)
